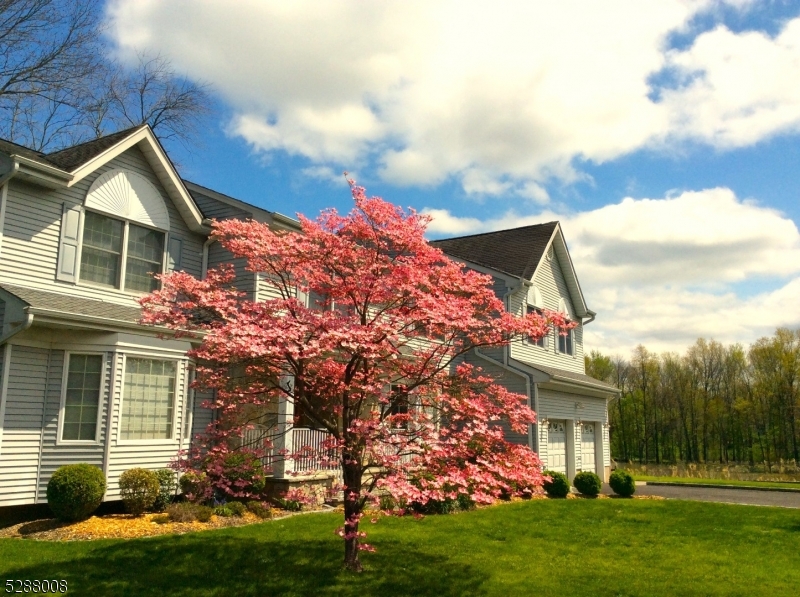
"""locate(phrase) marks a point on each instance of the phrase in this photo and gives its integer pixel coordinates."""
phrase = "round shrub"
(622, 483)
(587, 483)
(195, 486)
(558, 486)
(166, 489)
(139, 489)
(75, 491)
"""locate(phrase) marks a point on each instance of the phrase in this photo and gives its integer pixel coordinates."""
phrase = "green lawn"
(543, 547)
(695, 481)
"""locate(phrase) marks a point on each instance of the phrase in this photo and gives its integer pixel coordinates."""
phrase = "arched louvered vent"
(128, 195)
(535, 297)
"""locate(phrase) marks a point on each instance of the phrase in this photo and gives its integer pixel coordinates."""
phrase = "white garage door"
(557, 446)
(587, 447)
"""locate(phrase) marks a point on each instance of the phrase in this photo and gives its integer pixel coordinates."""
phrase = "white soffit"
(128, 195)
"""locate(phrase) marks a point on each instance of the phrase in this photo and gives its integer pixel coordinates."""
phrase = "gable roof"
(71, 157)
(69, 166)
(516, 251)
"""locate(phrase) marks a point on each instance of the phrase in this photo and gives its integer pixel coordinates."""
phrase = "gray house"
(82, 231)
(531, 269)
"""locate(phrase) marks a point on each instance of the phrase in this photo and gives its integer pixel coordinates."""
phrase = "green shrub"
(195, 486)
(75, 491)
(587, 483)
(238, 508)
(260, 509)
(189, 512)
(166, 489)
(622, 483)
(139, 489)
(558, 486)
(241, 474)
(223, 511)
(387, 502)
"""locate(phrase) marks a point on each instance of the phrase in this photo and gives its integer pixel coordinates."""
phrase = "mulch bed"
(120, 526)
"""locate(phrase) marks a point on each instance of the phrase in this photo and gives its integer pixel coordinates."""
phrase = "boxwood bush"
(166, 489)
(622, 483)
(587, 483)
(558, 486)
(139, 489)
(75, 491)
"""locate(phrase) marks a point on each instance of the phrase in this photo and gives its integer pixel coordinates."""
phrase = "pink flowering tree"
(376, 356)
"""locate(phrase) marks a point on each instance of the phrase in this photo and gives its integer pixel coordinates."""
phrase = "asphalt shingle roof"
(70, 158)
(53, 301)
(516, 251)
(571, 375)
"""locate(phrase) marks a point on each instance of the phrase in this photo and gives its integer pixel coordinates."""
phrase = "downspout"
(527, 379)
(204, 265)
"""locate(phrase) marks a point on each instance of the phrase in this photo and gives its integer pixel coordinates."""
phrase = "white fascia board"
(560, 245)
(162, 167)
(39, 173)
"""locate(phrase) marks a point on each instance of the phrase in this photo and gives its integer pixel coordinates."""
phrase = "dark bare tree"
(58, 85)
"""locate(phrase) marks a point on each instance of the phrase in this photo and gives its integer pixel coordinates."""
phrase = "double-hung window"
(541, 342)
(148, 400)
(565, 343)
(81, 396)
(120, 254)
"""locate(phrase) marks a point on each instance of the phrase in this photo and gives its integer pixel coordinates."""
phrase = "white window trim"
(123, 256)
(174, 439)
(545, 339)
(62, 406)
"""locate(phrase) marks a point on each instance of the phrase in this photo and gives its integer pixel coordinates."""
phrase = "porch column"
(283, 438)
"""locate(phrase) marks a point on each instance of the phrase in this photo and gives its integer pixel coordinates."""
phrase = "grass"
(694, 481)
(542, 547)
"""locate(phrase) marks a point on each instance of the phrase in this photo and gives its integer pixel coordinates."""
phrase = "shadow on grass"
(201, 564)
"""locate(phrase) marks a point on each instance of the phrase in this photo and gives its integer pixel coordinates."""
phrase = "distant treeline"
(715, 403)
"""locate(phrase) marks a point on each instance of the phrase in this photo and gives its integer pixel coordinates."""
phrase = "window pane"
(102, 249)
(82, 400)
(148, 399)
(145, 252)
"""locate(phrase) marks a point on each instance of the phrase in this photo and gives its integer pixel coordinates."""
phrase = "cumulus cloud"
(503, 97)
(666, 271)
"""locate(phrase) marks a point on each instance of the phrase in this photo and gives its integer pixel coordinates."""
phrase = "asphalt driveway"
(724, 495)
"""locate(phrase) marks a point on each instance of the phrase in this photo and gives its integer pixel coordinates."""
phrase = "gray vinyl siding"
(552, 285)
(561, 405)
(512, 382)
(245, 280)
(33, 223)
(151, 454)
(2, 316)
(54, 454)
(22, 425)
(266, 290)
(218, 210)
(201, 416)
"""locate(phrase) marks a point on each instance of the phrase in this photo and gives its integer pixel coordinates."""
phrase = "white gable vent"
(535, 297)
(128, 195)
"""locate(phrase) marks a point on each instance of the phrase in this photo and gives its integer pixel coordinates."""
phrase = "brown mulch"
(119, 526)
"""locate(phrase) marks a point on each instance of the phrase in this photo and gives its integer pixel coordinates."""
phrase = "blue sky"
(662, 134)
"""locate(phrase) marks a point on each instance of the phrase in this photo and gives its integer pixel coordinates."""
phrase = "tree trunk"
(352, 512)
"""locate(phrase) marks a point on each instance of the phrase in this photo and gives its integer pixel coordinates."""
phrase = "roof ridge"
(22, 146)
(495, 231)
(95, 140)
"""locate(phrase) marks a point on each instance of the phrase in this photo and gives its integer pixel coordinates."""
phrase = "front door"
(557, 446)
(587, 447)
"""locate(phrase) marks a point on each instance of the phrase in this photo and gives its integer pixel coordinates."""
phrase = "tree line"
(714, 403)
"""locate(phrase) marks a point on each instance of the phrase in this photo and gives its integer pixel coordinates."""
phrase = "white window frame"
(123, 256)
(545, 340)
(175, 438)
(100, 400)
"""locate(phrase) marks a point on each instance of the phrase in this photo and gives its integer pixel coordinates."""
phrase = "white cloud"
(500, 96)
(662, 271)
(328, 174)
